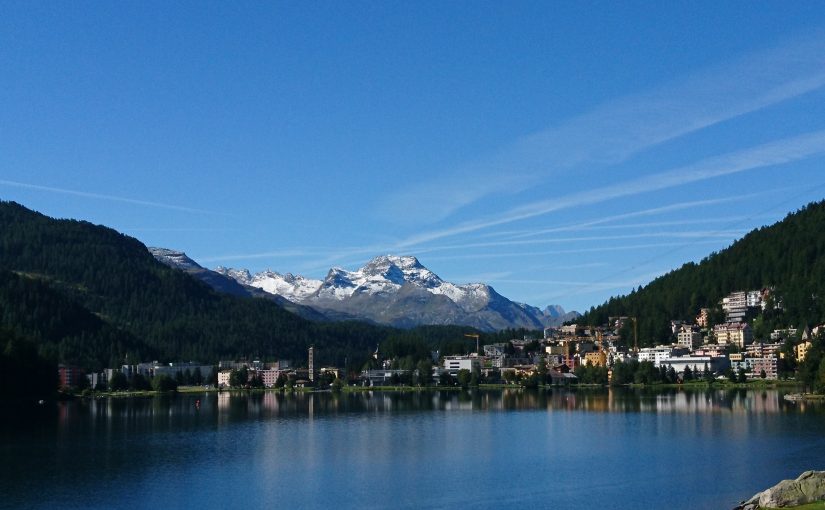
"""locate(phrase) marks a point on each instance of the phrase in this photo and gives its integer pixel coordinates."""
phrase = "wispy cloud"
(617, 130)
(571, 251)
(437, 199)
(645, 225)
(111, 198)
(260, 255)
(587, 265)
(174, 229)
(572, 283)
(703, 234)
(693, 204)
(564, 289)
(675, 223)
(355, 256)
(766, 155)
(483, 277)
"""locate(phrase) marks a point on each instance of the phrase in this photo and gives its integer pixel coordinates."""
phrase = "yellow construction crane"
(472, 335)
(635, 330)
(602, 350)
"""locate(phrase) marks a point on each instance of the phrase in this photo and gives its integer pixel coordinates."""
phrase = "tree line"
(89, 296)
(788, 256)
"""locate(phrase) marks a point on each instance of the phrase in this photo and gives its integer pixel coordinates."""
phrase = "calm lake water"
(618, 449)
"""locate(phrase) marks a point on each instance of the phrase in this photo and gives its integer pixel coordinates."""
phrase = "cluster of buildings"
(270, 373)
(730, 344)
(70, 376)
(700, 346)
(697, 346)
(155, 369)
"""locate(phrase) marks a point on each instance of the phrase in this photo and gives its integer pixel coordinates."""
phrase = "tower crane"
(635, 329)
(473, 335)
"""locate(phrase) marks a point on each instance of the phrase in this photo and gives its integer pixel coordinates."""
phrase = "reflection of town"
(228, 407)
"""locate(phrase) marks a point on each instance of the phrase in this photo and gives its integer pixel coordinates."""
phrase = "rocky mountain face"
(229, 284)
(399, 291)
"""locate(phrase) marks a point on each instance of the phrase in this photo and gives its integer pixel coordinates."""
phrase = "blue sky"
(563, 152)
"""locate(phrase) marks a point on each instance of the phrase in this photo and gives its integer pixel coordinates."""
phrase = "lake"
(616, 449)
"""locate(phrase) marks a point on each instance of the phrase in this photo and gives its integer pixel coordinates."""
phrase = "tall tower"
(311, 364)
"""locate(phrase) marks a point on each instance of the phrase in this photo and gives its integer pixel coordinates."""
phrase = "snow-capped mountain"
(233, 284)
(176, 259)
(398, 290)
(294, 288)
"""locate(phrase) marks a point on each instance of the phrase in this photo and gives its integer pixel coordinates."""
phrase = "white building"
(156, 368)
(614, 357)
(495, 349)
(570, 330)
(715, 364)
(735, 306)
(754, 299)
(659, 353)
(778, 335)
(453, 364)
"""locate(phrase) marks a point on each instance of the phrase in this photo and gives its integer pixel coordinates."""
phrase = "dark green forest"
(20, 361)
(87, 295)
(82, 294)
(788, 256)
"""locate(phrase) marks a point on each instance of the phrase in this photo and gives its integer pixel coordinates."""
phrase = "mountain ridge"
(228, 285)
(86, 295)
(385, 291)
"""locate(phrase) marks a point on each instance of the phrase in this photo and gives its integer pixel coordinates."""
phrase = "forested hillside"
(88, 295)
(62, 329)
(788, 256)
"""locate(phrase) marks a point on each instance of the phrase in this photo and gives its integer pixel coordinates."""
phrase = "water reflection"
(225, 408)
(237, 449)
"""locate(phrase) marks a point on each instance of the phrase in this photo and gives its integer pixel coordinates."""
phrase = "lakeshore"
(693, 385)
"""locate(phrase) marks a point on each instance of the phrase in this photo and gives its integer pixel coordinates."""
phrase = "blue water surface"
(617, 449)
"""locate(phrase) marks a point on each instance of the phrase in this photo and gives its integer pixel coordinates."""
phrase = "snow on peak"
(402, 262)
(240, 275)
(388, 273)
(292, 287)
(383, 274)
(174, 258)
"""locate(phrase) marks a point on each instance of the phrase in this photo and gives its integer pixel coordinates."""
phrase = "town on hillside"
(569, 354)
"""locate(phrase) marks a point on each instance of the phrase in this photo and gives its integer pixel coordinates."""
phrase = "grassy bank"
(819, 505)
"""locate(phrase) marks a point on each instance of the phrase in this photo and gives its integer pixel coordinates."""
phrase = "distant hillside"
(228, 285)
(789, 256)
(88, 295)
(169, 314)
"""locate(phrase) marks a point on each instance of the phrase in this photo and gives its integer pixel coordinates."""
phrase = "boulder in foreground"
(808, 488)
